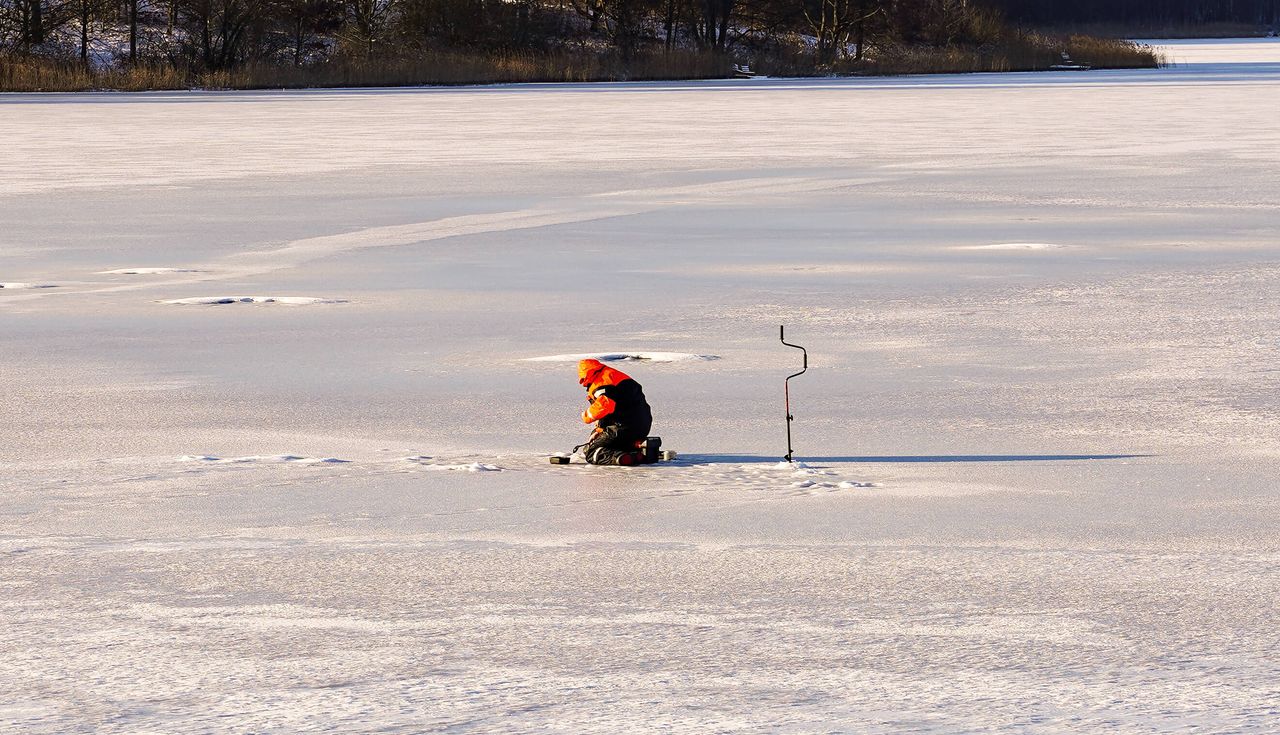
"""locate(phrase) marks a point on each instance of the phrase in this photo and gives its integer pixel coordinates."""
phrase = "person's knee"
(614, 456)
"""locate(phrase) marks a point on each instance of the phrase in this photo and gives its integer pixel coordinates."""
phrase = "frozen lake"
(1041, 429)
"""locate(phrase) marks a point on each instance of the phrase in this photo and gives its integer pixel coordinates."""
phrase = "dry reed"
(1024, 52)
(36, 74)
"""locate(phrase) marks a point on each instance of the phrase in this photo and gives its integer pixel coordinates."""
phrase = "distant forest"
(1143, 13)
(149, 44)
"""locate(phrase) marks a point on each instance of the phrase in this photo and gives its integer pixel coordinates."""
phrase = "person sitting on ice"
(622, 416)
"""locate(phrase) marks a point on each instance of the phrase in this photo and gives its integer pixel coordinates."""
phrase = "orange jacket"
(595, 376)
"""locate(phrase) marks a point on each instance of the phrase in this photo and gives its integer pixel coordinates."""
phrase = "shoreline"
(34, 74)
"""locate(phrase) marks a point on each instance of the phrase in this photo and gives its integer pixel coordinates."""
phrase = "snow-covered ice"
(471, 467)
(291, 458)
(145, 271)
(636, 356)
(1014, 246)
(1038, 484)
(218, 300)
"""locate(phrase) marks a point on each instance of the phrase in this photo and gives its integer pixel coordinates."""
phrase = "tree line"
(222, 33)
(230, 34)
(1143, 13)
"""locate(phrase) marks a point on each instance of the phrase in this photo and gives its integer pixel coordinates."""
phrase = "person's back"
(622, 415)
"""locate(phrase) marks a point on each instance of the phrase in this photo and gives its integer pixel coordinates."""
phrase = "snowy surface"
(220, 300)
(1039, 486)
(634, 356)
(260, 458)
(145, 271)
(1013, 246)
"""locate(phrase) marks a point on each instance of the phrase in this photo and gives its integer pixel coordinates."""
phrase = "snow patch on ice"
(428, 463)
(830, 486)
(626, 357)
(807, 472)
(473, 467)
(16, 286)
(261, 458)
(145, 271)
(810, 269)
(1014, 246)
(802, 477)
(290, 300)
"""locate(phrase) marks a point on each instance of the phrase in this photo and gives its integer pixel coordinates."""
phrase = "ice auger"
(782, 335)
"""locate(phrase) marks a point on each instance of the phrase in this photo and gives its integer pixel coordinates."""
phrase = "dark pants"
(611, 443)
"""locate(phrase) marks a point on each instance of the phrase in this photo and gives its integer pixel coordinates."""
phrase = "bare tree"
(304, 21)
(837, 24)
(86, 12)
(711, 22)
(218, 32)
(133, 30)
(31, 30)
(369, 23)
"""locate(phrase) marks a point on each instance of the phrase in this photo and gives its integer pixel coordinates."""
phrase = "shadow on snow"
(759, 459)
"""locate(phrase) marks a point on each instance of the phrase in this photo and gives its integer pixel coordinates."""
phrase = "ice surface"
(637, 356)
(1038, 486)
(472, 467)
(1013, 246)
(217, 300)
(145, 271)
(435, 464)
(291, 458)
